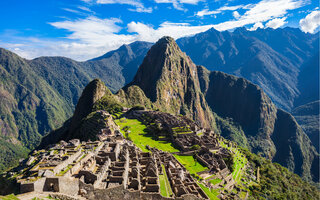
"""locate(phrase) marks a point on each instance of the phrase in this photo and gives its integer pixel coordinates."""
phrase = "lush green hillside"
(38, 95)
(29, 108)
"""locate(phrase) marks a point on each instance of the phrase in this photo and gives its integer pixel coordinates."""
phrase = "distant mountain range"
(40, 94)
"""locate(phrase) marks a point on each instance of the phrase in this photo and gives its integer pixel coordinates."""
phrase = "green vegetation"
(9, 197)
(212, 194)
(140, 136)
(165, 188)
(277, 182)
(191, 164)
(65, 170)
(231, 131)
(9, 153)
(108, 103)
(181, 130)
(195, 147)
(215, 181)
(239, 161)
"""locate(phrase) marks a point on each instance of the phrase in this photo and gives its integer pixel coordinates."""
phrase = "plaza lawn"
(139, 136)
(192, 165)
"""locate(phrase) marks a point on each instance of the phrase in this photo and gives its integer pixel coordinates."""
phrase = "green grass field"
(140, 138)
(192, 165)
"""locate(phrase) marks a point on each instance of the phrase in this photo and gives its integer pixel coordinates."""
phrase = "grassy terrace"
(140, 138)
(212, 194)
(192, 165)
(239, 162)
(65, 170)
(165, 188)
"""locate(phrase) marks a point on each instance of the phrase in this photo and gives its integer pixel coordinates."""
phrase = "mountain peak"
(166, 45)
(169, 78)
(166, 40)
(94, 91)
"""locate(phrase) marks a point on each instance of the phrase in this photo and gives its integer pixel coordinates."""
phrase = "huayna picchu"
(167, 135)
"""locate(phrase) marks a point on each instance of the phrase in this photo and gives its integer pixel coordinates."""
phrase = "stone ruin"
(92, 168)
(116, 168)
(180, 179)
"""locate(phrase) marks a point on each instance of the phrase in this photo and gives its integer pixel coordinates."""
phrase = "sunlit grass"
(192, 165)
(141, 138)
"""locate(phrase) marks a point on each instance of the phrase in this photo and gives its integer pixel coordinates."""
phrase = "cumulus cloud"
(276, 22)
(256, 26)
(311, 22)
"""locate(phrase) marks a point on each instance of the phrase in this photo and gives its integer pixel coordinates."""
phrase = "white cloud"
(86, 9)
(311, 22)
(177, 4)
(256, 26)
(175, 30)
(221, 9)
(139, 7)
(261, 12)
(276, 22)
(91, 36)
(194, 2)
(88, 38)
(207, 12)
(236, 14)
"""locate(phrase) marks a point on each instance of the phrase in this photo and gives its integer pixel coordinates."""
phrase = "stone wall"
(69, 186)
(65, 163)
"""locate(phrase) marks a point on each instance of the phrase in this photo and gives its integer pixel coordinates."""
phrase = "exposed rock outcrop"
(94, 91)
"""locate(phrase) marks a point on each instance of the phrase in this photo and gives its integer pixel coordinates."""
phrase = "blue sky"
(83, 29)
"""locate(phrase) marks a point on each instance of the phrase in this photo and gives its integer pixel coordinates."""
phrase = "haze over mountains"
(239, 109)
(270, 58)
